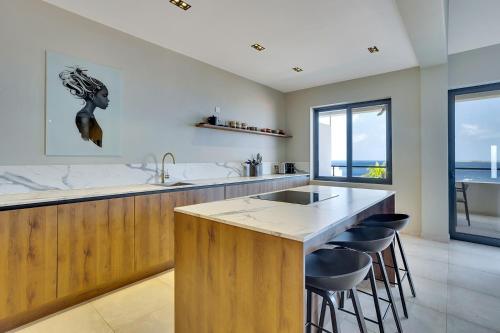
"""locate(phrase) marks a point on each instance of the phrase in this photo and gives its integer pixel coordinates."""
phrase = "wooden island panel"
(230, 279)
(28, 265)
(170, 200)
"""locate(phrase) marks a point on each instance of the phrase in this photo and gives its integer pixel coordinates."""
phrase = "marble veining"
(34, 178)
(292, 221)
(56, 195)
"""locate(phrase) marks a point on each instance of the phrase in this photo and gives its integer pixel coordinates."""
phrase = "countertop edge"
(66, 197)
(278, 234)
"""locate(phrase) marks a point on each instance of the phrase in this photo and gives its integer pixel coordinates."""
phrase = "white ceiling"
(425, 21)
(327, 38)
(473, 24)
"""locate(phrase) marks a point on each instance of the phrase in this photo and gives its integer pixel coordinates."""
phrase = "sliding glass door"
(474, 164)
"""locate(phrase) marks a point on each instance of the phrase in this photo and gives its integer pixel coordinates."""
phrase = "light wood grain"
(151, 233)
(170, 200)
(229, 279)
(28, 239)
(223, 128)
(95, 244)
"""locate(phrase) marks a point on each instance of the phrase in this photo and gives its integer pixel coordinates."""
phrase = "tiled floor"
(481, 225)
(458, 290)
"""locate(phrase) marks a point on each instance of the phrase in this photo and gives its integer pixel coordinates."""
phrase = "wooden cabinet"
(56, 256)
(241, 190)
(28, 266)
(151, 233)
(154, 224)
(95, 244)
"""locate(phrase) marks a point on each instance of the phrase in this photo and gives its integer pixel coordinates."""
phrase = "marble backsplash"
(32, 178)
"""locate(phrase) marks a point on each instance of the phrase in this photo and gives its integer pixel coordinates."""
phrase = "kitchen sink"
(174, 184)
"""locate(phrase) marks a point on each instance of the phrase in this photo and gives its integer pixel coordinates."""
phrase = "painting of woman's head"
(85, 87)
(83, 107)
(94, 93)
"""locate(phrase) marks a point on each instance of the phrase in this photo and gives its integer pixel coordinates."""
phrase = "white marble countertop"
(52, 196)
(292, 221)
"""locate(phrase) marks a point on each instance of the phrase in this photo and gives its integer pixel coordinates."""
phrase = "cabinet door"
(237, 190)
(242, 190)
(151, 233)
(95, 244)
(28, 259)
(170, 200)
(295, 182)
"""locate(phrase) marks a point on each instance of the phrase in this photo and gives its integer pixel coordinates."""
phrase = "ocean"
(360, 167)
(471, 170)
(476, 170)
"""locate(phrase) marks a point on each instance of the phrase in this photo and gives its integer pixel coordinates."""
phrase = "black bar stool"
(395, 222)
(372, 240)
(333, 270)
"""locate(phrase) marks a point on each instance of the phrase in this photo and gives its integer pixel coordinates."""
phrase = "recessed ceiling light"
(373, 49)
(297, 69)
(181, 4)
(258, 47)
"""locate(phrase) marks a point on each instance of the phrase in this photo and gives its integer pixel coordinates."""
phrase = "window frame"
(348, 107)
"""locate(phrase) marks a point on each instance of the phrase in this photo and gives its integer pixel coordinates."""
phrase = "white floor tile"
(429, 269)
(126, 306)
(475, 280)
(457, 325)
(477, 308)
(82, 319)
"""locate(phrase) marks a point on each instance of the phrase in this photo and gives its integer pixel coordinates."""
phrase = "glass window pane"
(332, 144)
(477, 164)
(477, 138)
(369, 142)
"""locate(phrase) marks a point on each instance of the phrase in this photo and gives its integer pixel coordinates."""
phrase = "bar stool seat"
(393, 221)
(372, 240)
(332, 270)
(337, 269)
(396, 222)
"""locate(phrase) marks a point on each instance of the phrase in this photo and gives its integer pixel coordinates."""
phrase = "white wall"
(434, 151)
(165, 93)
(404, 89)
(475, 67)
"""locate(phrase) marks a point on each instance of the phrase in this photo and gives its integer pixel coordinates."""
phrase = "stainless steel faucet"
(164, 175)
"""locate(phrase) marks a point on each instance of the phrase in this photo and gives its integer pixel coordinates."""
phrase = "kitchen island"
(240, 263)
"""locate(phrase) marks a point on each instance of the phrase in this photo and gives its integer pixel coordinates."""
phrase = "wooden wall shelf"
(223, 128)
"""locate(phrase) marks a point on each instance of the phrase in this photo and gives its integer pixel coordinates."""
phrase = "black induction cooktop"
(295, 197)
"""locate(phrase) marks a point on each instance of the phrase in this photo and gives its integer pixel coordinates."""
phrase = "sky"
(369, 135)
(477, 129)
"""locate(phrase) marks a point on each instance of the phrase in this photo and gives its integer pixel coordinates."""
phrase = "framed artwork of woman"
(83, 107)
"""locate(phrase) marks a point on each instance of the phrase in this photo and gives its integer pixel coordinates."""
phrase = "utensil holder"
(256, 170)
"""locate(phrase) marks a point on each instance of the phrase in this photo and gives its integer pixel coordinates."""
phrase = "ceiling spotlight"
(297, 69)
(373, 49)
(181, 4)
(258, 47)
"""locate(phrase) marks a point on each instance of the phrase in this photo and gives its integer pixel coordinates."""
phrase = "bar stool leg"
(381, 263)
(342, 298)
(322, 315)
(398, 279)
(376, 300)
(359, 312)
(309, 310)
(405, 263)
(333, 312)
